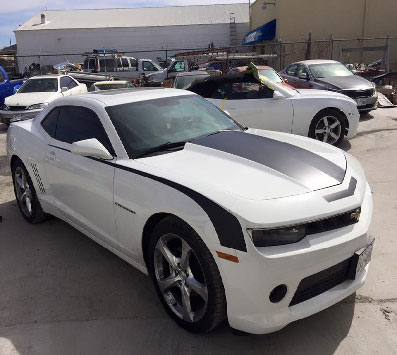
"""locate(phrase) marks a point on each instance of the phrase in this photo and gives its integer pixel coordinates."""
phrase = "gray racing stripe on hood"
(300, 164)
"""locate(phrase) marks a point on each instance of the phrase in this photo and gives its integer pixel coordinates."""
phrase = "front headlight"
(37, 106)
(277, 236)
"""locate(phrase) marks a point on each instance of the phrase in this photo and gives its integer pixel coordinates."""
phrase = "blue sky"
(16, 12)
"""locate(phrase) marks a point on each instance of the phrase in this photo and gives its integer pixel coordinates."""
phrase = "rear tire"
(25, 194)
(328, 126)
(185, 276)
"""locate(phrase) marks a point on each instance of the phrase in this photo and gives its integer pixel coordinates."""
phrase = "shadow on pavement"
(366, 117)
(64, 294)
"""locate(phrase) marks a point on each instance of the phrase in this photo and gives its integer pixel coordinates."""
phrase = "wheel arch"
(14, 159)
(338, 110)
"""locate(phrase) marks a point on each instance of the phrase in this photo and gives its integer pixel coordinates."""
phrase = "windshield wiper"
(162, 148)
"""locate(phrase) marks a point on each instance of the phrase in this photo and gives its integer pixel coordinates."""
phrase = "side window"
(180, 66)
(249, 90)
(65, 81)
(72, 84)
(220, 92)
(302, 70)
(92, 63)
(292, 69)
(79, 123)
(134, 63)
(124, 62)
(148, 66)
(49, 123)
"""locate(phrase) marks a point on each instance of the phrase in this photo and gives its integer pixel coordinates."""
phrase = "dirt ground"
(61, 293)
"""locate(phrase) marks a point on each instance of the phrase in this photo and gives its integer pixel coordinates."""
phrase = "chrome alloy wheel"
(180, 278)
(23, 191)
(328, 129)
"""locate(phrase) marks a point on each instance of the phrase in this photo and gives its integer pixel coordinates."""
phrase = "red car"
(269, 72)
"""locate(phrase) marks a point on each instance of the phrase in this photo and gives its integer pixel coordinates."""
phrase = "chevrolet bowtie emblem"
(356, 214)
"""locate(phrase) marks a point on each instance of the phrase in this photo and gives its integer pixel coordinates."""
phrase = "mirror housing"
(64, 89)
(304, 76)
(277, 95)
(91, 148)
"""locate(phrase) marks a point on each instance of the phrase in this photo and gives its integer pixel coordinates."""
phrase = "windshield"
(329, 69)
(39, 85)
(271, 74)
(147, 124)
(182, 82)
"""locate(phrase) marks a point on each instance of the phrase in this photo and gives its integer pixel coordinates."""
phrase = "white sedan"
(37, 93)
(210, 210)
(323, 115)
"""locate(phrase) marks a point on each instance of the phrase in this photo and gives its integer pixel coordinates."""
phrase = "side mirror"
(277, 95)
(303, 76)
(91, 148)
(64, 89)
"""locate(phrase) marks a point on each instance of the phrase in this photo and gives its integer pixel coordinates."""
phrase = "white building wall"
(69, 44)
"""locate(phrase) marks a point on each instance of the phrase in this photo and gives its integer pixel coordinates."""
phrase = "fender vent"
(38, 178)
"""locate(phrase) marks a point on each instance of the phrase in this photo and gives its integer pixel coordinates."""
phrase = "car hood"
(314, 93)
(346, 82)
(255, 165)
(31, 98)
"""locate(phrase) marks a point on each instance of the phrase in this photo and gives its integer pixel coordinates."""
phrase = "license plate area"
(360, 260)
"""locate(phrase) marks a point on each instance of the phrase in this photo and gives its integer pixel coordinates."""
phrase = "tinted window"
(292, 69)
(79, 123)
(92, 63)
(148, 66)
(124, 62)
(65, 81)
(133, 62)
(246, 90)
(49, 123)
(302, 70)
(72, 84)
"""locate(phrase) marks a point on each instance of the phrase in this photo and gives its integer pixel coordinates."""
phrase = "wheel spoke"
(333, 135)
(319, 131)
(28, 203)
(185, 255)
(334, 125)
(23, 197)
(325, 120)
(168, 282)
(325, 138)
(187, 308)
(171, 259)
(198, 287)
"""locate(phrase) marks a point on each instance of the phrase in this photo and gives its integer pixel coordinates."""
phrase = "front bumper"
(367, 104)
(249, 283)
(7, 116)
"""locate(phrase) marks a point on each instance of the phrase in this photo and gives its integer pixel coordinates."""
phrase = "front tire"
(25, 194)
(186, 277)
(328, 126)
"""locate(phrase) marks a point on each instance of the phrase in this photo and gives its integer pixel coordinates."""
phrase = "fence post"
(280, 49)
(309, 47)
(387, 55)
(332, 47)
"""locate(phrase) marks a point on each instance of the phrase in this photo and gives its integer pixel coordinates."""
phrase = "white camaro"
(323, 115)
(263, 228)
(37, 93)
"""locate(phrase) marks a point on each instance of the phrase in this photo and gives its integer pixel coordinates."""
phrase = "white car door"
(82, 187)
(253, 106)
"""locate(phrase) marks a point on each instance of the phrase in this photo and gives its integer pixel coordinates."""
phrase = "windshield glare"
(147, 124)
(39, 85)
(328, 70)
(270, 74)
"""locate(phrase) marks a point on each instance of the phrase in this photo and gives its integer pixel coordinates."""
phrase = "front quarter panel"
(305, 109)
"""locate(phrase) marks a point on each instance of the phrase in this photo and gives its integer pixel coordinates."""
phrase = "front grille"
(354, 94)
(321, 282)
(335, 222)
(16, 108)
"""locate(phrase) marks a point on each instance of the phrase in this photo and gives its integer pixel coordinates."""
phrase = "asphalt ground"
(61, 293)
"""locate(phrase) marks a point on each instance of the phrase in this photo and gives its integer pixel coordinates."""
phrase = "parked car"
(185, 79)
(333, 76)
(325, 116)
(211, 211)
(111, 85)
(7, 87)
(263, 70)
(36, 93)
